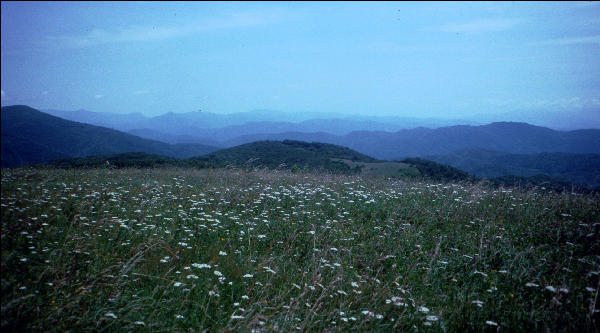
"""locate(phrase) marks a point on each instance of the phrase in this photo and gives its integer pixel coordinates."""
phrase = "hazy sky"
(414, 59)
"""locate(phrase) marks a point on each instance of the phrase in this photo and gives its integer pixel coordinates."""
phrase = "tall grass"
(180, 249)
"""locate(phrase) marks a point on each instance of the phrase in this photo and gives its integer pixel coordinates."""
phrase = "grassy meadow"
(164, 250)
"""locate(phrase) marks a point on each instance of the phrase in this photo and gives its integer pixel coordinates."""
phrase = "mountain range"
(516, 138)
(31, 136)
(496, 149)
(199, 126)
(386, 138)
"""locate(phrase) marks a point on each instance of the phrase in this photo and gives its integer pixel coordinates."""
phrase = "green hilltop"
(296, 156)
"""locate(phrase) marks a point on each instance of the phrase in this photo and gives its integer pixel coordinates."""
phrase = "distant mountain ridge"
(580, 169)
(517, 138)
(31, 136)
(196, 127)
(509, 137)
(496, 149)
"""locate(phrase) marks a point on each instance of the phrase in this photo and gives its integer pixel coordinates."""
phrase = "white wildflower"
(110, 314)
(268, 269)
(478, 303)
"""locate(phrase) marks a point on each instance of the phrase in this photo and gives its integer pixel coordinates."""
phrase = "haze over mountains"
(31, 136)
(381, 137)
(198, 127)
(491, 150)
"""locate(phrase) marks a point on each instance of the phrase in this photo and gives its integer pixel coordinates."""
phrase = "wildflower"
(491, 323)
(237, 317)
(217, 273)
(423, 309)
(482, 273)
(222, 253)
(110, 314)
(432, 318)
(550, 288)
(248, 276)
(268, 269)
(141, 323)
(478, 303)
(178, 316)
(192, 276)
(201, 265)
(531, 284)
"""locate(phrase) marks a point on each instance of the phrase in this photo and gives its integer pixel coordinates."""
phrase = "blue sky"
(408, 59)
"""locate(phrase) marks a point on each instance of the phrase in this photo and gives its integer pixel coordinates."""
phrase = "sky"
(443, 60)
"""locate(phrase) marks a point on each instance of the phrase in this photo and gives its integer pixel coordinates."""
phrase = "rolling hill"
(287, 155)
(31, 136)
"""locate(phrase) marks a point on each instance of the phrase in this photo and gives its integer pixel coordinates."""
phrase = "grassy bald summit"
(289, 154)
(31, 136)
(296, 156)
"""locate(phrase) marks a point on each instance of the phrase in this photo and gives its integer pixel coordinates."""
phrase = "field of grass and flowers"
(185, 250)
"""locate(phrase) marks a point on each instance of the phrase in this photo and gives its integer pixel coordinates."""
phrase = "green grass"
(125, 250)
(385, 168)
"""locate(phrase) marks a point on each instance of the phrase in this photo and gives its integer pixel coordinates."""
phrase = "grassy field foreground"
(185, 250)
